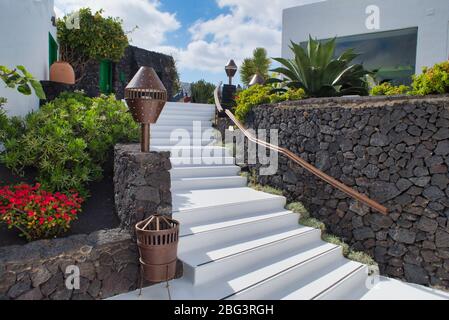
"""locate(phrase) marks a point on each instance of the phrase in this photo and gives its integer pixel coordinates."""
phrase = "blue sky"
(188, 14)
(202, 35)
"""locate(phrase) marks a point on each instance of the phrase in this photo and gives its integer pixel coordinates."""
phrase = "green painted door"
(52, 50)
(106, 76)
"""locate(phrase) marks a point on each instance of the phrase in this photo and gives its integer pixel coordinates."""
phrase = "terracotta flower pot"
(62, 72)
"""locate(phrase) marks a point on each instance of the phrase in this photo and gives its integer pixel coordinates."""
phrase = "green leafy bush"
(258, 94)
(320, 74)
(433, 80)
(387, 89)
(10, 128)
(249, 98)
(97, 38)
(68, 140)
(202, 92)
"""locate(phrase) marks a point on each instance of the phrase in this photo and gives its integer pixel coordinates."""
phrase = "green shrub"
(203, 92)
(97, 38)
(338, 242)
(299, 208)
(258, 94)
(249, 98)
(433, 80)
(387, 89)
(68, 140)
(10, 128)
(312, 223)
(266, 189)
(361, 257)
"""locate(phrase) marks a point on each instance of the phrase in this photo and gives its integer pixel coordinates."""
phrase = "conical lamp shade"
(146, 96)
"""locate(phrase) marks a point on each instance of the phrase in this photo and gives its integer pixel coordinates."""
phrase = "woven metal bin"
(157, 240)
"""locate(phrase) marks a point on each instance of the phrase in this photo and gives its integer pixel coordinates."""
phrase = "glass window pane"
(392, 53)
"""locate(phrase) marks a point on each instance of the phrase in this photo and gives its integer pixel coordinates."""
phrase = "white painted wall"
(347, 17)
(24, 28)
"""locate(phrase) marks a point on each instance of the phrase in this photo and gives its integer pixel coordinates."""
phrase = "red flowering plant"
(36, 213)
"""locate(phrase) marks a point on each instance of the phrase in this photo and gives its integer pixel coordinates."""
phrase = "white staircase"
(238, 243)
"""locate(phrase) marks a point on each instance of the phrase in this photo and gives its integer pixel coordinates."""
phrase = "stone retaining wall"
(395, 150)
(107, 260)
(142, 184)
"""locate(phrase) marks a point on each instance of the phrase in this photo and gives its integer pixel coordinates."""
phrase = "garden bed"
(105, 255)
(98, 210)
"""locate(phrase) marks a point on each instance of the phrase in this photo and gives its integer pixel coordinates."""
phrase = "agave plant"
(319, 73)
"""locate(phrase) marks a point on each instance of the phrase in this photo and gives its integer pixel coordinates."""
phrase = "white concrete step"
(188, 107)
(211, 240)
(189, 123)
(171, 131)
(331, 278)
(182, 142)
(352, 287)
(202, 162)
(180, 119)
(263, 269)
(208, 215)
(199, 207)
(182, 115)
(305, 281)
(194, 152)
(208, 183)
(226, 222)
(204, 172)
(261, 256)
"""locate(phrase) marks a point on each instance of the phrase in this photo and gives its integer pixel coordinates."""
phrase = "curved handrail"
(316, 172)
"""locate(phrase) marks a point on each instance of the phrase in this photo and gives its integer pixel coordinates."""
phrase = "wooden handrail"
(316, 172)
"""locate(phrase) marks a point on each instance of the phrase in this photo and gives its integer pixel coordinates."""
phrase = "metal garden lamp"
(146, 97)
(231, 70)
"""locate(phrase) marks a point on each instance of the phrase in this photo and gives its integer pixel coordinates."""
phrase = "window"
(392, 53)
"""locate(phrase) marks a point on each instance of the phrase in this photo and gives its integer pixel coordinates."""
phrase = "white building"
(27, 37)
(399, 37)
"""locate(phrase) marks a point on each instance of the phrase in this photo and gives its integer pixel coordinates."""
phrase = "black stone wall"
(396, 151)
(142, 184)
(134, 59)
(108, 262)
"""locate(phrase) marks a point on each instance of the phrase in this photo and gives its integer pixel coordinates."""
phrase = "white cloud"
(249, 24)
(152, 22)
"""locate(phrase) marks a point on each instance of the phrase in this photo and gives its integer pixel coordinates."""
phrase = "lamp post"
(146, 97)
(231, 70)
